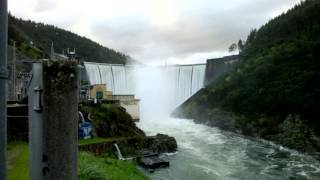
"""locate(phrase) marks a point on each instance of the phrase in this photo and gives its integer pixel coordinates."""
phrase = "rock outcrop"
(148, 145)
(135, 146)
(111, 122)
(117, 126)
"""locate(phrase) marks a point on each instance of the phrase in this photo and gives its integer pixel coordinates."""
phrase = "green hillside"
(34, 41)
(275, 92)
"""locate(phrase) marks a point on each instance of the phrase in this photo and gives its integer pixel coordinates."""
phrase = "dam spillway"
(114, 76)
(182, 81)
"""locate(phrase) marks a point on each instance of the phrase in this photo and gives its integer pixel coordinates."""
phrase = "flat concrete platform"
(153, 162)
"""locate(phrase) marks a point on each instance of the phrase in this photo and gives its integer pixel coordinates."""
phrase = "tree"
(240, 45)
(251, 37)
(233, 47)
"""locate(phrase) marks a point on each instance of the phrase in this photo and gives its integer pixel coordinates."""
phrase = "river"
(206, 153)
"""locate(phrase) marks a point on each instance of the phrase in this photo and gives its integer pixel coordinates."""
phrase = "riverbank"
(113, 125)
(89, 166)
(290, 132)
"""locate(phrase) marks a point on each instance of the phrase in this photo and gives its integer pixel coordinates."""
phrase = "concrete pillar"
(14, 89)
(3, 86)
(36, 123)
(56, 158)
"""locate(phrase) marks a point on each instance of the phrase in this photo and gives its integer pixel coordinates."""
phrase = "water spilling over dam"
(181, 80)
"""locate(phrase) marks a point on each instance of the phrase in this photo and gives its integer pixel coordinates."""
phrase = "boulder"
(141, 146)
(135, 146)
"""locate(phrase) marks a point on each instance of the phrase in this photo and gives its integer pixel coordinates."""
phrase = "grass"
(94, 168)
(93, 141)
(31, 52)
(98, 140)
(18, 163)
(90, 167)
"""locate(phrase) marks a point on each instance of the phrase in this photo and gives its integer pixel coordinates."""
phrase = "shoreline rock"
(134, 146)
(115, 123)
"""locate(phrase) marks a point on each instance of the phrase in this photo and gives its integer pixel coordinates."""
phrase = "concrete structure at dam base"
(99, 92)
(217, 67)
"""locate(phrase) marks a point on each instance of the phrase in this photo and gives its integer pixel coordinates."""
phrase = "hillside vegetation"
(34, 41)
(275, 92)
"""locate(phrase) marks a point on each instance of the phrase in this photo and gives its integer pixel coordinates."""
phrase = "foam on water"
(209, 153)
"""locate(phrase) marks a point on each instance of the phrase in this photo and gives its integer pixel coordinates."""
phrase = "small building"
(100, 92)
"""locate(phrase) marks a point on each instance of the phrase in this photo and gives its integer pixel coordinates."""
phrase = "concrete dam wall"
(219, 66)
(181, 81)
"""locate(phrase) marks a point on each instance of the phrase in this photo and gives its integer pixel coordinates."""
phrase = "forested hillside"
(275, 92)
(34, 40)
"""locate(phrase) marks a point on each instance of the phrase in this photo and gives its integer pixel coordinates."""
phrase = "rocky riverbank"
(115, 126)
(291, 132)
(133, 146)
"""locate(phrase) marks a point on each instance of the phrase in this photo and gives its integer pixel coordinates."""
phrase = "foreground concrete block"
(54, 121)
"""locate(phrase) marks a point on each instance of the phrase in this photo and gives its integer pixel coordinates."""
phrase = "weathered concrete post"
(3, 86)
(35, 123)
(56, 99)
(14, 90)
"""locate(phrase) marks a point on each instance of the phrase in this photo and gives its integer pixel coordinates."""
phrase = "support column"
(60, 116)
(3, 86)
(55, 156)
(14, 89)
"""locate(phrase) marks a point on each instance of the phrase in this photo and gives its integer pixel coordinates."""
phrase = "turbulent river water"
(209, 153)
(206, 153)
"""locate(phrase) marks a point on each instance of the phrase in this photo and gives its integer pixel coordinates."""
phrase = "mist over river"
(206, 153)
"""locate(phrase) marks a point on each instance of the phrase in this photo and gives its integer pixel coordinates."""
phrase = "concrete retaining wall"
(218, 67)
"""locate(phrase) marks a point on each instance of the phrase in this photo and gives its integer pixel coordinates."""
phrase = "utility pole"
(14, 72)
(52, 51)
(3, 86)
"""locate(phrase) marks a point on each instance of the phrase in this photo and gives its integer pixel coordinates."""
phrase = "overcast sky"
(157, 31)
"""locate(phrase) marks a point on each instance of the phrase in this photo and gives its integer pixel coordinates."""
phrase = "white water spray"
(118, 152)
(152, 89)
(174, 84)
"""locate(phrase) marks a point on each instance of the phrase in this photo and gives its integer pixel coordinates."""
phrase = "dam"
(182, 80)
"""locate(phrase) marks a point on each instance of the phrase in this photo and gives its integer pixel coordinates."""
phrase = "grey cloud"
(45, 5)
(197, 30)
(201, 26)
